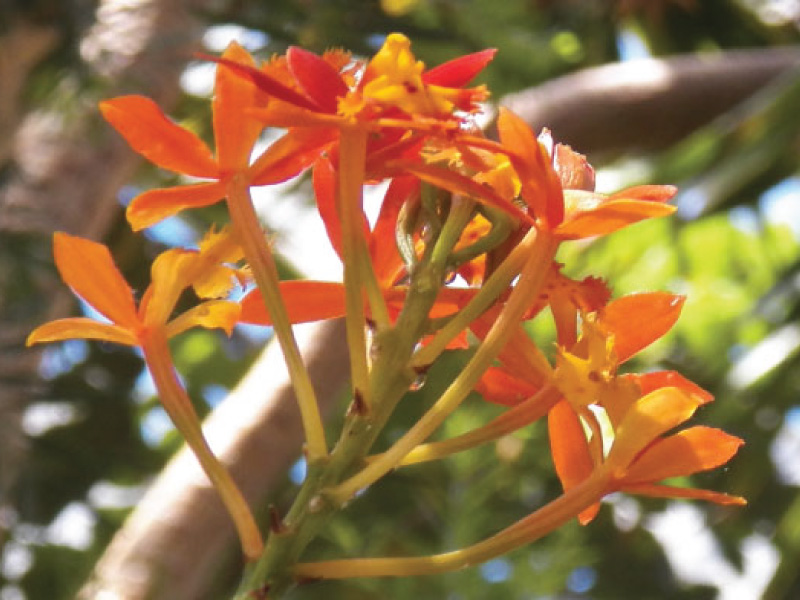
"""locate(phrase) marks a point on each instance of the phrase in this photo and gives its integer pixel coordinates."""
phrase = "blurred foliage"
(738, 264)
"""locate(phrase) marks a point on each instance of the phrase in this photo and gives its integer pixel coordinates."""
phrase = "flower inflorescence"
(462, 255)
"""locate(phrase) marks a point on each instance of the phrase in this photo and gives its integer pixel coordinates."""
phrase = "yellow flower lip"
(88, 268)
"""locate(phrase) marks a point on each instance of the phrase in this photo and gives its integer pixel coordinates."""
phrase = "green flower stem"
(389, 380)
(502, 226)
(259, 257)
(179, 408)
(358, 280)
(497, 283)
(540, 248)
(517, 417)
(536, 525)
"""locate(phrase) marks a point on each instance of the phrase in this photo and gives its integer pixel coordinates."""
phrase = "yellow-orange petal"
(153, 135)
(305, 301)
(568, 445)
(609, 216)
(171, 273)
(88, 268)
(81, 328)
(214, 314)
(156, 205)
(684, 453)
(235, 132)
(654, 380)
(638, 320)
(570, 451)
(648, 418)
(666, 491)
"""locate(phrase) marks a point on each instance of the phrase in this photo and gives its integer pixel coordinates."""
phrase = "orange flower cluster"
(462, 254)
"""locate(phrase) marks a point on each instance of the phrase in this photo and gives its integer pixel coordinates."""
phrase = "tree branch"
(648, 104)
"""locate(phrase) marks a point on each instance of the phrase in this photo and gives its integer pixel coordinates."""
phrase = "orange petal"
(460, 71)
(292, 154)
(318, 79)
(524, 358)
(647, 193)
(450, 301)
(609, 216)
(266, 83)
(81, 328)
(279, 114)
(326, 184)
(459, 184)
(649, 382)
(648, 418)
(541, 187)
(88, 268)
(150, 133)
(235, 132)
(156, 205)
(684, 453)
(570, 451)
(500, 387)
(214, 314)
(170, 274)
(665, 491)
(305, 301)
(637, 320)
(568, 445)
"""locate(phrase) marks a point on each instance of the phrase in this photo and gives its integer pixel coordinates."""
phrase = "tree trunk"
(63, 173)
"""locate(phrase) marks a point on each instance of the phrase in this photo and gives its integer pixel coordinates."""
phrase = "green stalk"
(389, 380)
(536, 525)
(517, 417)
(259, 257)
(497, 283)
(352, 153)
(180, 410)
(540, 247)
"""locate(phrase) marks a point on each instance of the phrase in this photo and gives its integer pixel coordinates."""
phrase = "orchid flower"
(587, 376)
(174, 148)
(88, 268)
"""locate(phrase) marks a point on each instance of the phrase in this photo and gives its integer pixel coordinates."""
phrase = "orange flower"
(641, 455)
(556, 184)
(150, 133)
(392, 90)
(392, 96)
(565, 297)
(587, 376)
(88, 268)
